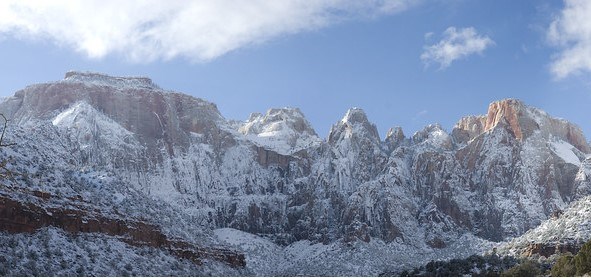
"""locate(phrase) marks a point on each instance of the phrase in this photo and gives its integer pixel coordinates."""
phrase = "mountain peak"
(434, 135)
(108, 80)
(355, 115)
(520, 120)
(277, 119)
(511, 112)
(354, 123)
(395, 136)
(284, 130)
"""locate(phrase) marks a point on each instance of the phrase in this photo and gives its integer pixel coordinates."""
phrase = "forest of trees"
(566, 265)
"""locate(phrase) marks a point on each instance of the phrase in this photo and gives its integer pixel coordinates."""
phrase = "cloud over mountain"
(144, 31)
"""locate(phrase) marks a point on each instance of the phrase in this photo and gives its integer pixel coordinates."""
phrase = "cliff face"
(22, 217)
(137, 105)
(493, 177)
(521, 121)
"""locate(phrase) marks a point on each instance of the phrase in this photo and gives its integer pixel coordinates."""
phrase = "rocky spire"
(395, 137)
(467, 128)
(353, 124)
(510, 112)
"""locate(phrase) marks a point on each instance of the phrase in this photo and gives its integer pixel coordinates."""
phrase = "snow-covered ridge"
(283, 130)
(107, 80)
(91, 126)
(573, 226)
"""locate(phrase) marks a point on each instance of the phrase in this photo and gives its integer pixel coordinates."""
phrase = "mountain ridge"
(112, 139)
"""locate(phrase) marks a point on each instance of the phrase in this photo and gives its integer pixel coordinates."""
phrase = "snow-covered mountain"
(239, 195)
(565, 231)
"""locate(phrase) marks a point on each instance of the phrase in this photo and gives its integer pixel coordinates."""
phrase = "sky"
(407, 63)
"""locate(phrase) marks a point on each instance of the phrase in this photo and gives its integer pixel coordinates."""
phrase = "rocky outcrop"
(547, 250)
(285, 131)
(395, 137)
(20, 217)
(565, 231)
(583, 179)
(468, 128)
(510, 112)
(278, 120)
(111, 81)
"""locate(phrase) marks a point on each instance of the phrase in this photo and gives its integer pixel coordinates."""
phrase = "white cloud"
(201, 30)
(455, 44)
(571, 32)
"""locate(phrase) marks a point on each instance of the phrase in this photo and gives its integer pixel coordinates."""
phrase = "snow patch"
(565, 151)
(88, 125)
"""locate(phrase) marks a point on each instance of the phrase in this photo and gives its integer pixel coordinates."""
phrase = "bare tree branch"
(4, 171)
(3, 132)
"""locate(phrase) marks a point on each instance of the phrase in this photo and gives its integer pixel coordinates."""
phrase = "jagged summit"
(521, 121)
(468, 127)
(433, 135)
(395, 136)
(283, 130)
(108, 80)
(354, 123)
(355, 115)
(277, 119)
(511, 112)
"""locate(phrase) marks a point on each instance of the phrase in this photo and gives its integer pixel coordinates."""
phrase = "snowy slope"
(306, 258)
(51, 252)
(569, 230)
(565, 151)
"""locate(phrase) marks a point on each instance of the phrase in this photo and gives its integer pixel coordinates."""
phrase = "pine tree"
(583, 260)
(527, 268)
(564, 266)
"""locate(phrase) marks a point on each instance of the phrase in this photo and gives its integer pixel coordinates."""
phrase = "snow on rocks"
(565, 151)
(110, 81)
(318, 206)
(284, 130)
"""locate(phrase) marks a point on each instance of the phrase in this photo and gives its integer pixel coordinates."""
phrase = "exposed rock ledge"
(549, 249)
(18, 217)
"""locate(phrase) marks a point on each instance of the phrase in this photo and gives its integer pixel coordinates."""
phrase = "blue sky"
(406, 63)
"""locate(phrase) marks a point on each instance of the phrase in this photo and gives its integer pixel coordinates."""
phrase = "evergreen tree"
(564, 266)
(525, 269)
(583, 260)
